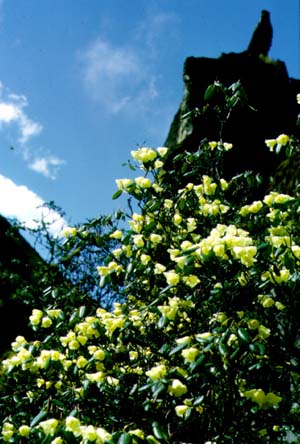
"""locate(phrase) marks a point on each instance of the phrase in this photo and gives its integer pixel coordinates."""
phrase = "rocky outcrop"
(19, 266)
(271, 109)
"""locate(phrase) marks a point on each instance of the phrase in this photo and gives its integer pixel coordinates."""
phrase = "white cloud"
(18, 201)
(118, 77)
(48, 166)
(159, 33)
(12, 112)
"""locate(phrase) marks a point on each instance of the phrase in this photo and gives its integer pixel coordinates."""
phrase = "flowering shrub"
(204, 346)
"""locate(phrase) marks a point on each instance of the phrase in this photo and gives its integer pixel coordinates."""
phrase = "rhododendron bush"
(204, 345)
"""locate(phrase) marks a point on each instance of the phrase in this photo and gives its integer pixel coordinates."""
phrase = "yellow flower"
(49, 426)
(282, 139)
(114, 323)
(208, 186)
(190, 354)
(46, 322)
(177, 219)
(296, 250)
(168, 312)
(81, 362)
(253, 324)
(227, 146)
(158, 164)
(181, 410)
(279, 306)
(144, 154)
(162, 151)
(102, 435)
(112, 381)
(143, 182)
(74, 345)
(224, 184)
(159, 268)
(117, 234)
(263, 332)
(7, 432)
(138, 240)
(54, 313)
(172, 278)
(191, 281)
(219, 251)
(212, 145)
(232, 339)
(266, 301)
(298, 99)
(155, 238)
(245, 254)
(157, 372)
(133, 355)
(263, 401)
(95, 377)
(124, 184)
(99, 354)
(282, 198)
(168, 204)
(36, 317)
(88, 433)
(191, 224)
(69, 232)
(137, 432)
(256, 395)
(204, 336)
(73, 425)
(271, 143)
(117, 252)
(19, 342)
(177, 388)
(24, 430)
(184, 340)
(145, 259)
(57, 440)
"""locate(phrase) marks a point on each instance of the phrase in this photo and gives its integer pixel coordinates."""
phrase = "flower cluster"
(205, 285)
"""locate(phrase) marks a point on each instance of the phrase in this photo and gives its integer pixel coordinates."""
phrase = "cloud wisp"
(18, 201)
(12, 114)
(124, 78)
(116, 76)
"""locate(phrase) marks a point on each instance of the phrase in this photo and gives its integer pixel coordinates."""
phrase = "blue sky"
(83, 82)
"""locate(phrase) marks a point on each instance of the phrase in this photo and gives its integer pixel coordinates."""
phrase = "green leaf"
(38, 418)
(158, 431)
(164, 349)
(125, 438)
(162, 322)
(234, 354)
(210, 92)
(257, 348)
(157, 388)
(82, 311)
(197, 363)
(117, 194)
(223, 349)
(133, 389)
(177, 349)
(244, 335)
(198, 401)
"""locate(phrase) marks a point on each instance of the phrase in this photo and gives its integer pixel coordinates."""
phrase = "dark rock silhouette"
(262, 37)
(271, 107)
(19, 263)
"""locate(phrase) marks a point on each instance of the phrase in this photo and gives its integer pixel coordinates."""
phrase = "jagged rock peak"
(261, 40)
